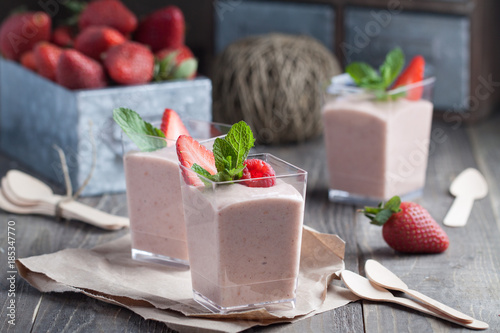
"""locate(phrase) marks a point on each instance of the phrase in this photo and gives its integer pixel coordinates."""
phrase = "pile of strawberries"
(109, 45)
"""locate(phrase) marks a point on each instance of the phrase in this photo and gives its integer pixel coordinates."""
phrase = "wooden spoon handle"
(440, 307)
(475, 324)
(459, 212)
(84, 213)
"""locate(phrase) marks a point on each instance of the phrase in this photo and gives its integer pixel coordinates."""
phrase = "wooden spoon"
(8, 206)
(362, 287)
(32, 191)
(383, 277)
(469, 185)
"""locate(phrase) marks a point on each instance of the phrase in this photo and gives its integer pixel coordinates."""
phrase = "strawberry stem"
(381, 214)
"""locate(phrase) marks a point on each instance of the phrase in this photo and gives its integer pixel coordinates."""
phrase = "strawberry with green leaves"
(230, 158)
(227, 162)
(408, 227)
(388, 75)
(174, 64)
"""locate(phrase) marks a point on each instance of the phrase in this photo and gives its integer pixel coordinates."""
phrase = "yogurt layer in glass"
(244, 242)
(376, 149)
(154, 197)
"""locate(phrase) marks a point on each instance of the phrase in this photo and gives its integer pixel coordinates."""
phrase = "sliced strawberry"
(172, 126)
(258, 169)
(189, 152)
(412, 74)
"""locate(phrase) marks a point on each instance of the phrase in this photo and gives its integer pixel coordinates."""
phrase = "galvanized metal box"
(36, 113)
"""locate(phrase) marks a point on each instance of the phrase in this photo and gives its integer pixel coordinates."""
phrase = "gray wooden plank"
(485, 138)
(466, 276)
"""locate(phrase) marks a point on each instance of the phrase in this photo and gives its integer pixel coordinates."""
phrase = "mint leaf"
(392, 66)
(229, 154)
(142, 133)
(225, 155)
(240, 136)
(363, 74)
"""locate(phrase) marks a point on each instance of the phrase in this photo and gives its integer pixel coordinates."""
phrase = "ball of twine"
(275, 83)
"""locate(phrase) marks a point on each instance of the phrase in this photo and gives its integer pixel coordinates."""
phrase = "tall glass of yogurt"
(244, 242)
(154, 199)
(376, 149)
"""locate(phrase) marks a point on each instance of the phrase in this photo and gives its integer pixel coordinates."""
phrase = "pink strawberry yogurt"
(377, 149)
(244, 243)
(155, 205)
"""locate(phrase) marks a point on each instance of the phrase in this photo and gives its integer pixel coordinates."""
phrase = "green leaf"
(185, 70)
(201, 171)
(225, 155)
(364, 75)
(142, 133)
(164, 67)
(393, 204)
(382, 213)
(392, 66)
(240, 136)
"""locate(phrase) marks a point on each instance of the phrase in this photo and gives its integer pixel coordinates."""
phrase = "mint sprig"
(365, 76)
(229, 154)
(142, 133)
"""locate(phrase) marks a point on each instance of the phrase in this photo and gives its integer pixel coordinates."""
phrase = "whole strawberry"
(77, 71)
(111, 13)
(46, 59)
(63, 36)
(20, 32)
(164, 28)
(95, 40)
(408, 227)
(130, 63)
(174, 64)
(28, 60)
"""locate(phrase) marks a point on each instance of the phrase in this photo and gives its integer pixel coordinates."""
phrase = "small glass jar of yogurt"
(244, 242)
(376, 148)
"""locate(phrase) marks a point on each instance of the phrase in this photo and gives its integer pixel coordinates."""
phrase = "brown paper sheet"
(156, 292)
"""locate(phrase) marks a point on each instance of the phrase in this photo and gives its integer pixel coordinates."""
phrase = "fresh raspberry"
(256, 168)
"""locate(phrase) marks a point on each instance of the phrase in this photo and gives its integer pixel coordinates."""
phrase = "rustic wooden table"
(466, 276)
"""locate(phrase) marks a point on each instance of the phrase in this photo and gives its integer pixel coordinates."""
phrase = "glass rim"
(343, 84)
(298, 171)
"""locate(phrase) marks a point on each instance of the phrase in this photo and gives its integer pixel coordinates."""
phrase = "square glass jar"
(244, 242)
(154, 197)
(376, 145)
